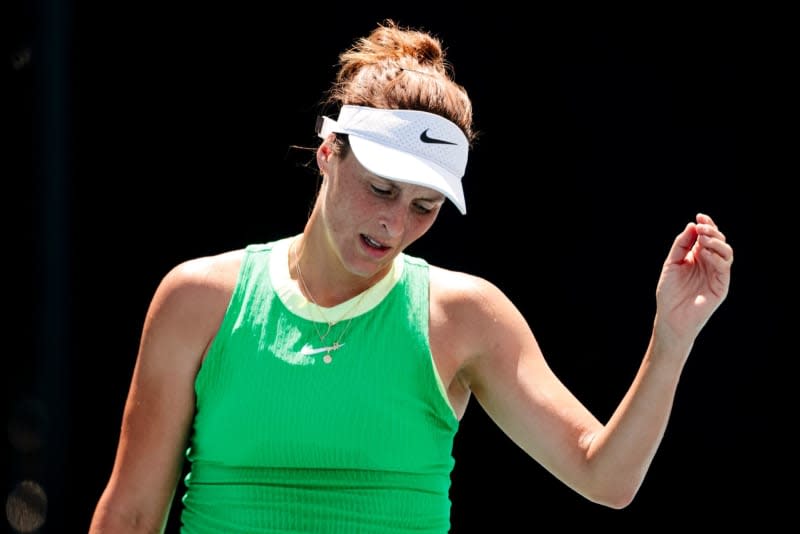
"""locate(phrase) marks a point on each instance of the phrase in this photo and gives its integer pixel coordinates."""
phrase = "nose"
(393, 220)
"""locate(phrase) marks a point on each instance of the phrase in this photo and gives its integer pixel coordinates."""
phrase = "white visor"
(415, 147)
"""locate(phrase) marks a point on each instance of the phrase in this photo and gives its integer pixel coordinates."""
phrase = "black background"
(142, 136)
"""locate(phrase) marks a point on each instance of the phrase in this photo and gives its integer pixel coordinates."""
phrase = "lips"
(372, 243)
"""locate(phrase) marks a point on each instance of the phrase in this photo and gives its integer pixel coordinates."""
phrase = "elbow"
(619, 498)
(614, 493)
(619, 501)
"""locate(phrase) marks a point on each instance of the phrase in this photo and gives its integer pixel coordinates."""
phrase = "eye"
(380, 191)
(424, 210)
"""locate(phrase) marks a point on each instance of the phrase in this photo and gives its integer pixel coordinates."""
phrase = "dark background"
(141, 136)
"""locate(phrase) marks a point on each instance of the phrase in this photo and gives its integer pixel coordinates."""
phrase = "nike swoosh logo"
(426, 139)
(308, 350)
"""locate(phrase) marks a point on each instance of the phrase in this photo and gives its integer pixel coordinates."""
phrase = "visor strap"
(324, 126)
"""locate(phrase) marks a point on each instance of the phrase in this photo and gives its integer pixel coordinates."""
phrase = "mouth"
(373, 244)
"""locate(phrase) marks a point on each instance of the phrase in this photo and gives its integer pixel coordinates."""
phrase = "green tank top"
(292, 436)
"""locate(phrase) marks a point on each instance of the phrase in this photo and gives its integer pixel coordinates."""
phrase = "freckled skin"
(480, 342)
(352, 203)
(481, 346)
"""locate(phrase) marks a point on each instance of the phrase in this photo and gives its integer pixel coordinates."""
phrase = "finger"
(720, 275)
(710, 230)
(683, 243)
(718, 247)
(704, 218)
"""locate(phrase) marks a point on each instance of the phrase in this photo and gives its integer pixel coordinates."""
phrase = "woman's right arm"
(184, 315)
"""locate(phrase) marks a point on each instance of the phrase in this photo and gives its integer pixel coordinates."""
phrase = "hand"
(695, 278)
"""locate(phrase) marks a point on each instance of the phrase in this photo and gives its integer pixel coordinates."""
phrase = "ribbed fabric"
(283, 442)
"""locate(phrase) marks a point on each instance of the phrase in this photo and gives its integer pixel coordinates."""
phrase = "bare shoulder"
(463, 291)
(475, 322)
(465, 310)
(191, 299)
(459, 328)
(207, 274)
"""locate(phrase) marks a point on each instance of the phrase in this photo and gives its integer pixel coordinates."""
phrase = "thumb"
(682, 244)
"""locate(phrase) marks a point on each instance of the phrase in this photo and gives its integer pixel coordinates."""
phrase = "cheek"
(418, 226)
(343, 209)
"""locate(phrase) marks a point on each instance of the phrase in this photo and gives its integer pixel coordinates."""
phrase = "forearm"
(620, 455)
(118, 515)
(108, 521)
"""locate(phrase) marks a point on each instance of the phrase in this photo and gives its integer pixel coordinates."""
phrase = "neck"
(320, 274)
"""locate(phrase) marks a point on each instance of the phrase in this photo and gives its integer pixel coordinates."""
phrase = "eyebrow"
(440, 198)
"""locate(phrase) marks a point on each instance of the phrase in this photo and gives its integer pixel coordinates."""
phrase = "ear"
(324, 154)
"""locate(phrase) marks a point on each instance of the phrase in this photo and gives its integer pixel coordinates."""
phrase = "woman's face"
(370, 219)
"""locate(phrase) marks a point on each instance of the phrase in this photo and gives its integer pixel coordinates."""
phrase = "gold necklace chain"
(338, 343)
